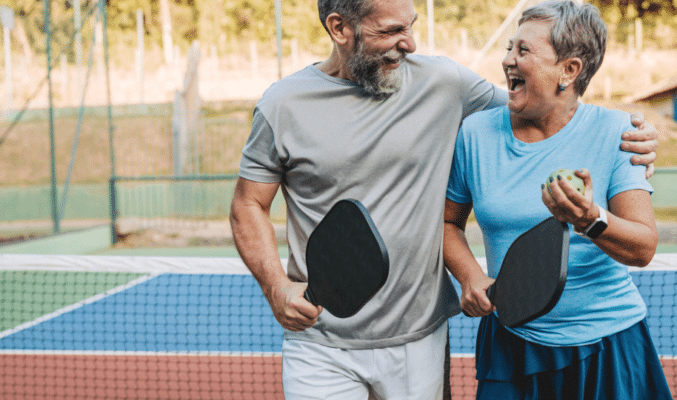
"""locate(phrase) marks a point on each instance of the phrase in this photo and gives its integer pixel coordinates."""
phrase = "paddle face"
(346, 258)
(533, 274)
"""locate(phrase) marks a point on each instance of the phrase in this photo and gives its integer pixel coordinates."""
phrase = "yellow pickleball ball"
(569, 175)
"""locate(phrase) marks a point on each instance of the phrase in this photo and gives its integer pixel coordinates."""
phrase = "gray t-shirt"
(323, 139)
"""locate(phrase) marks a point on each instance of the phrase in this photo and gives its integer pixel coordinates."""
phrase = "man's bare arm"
(255, 240)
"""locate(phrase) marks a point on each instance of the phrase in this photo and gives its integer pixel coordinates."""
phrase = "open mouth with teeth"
(515, 84)
(391, 61)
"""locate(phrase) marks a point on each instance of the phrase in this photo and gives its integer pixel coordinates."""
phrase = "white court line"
(138, 264)
(187, 353)
(142, 353)
(75, 306)
(462, 355)
(193, 265)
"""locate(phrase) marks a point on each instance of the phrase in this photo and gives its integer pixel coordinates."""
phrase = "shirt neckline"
(553, 141)
(340, 81)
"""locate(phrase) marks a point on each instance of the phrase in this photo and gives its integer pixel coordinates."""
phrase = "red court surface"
(139, 377)
(181, 377)
(178, 330)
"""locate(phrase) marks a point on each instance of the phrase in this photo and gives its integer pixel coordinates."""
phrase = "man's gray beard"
(367, 70)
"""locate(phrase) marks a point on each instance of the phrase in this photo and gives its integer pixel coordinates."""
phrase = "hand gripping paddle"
(532, 276)
(346, 259)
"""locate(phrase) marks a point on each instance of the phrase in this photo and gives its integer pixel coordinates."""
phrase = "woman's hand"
(474, 300)
(630, 237)
(568, 205)
(460, 261)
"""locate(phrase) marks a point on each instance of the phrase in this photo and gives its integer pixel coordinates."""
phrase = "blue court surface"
(112, 327)
(198, 313)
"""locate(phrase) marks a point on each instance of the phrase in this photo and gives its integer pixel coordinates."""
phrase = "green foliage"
(221, 23)
(479, 18)
(659, 19)
(31, 15)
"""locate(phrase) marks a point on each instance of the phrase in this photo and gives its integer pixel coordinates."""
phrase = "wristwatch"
(596, 228)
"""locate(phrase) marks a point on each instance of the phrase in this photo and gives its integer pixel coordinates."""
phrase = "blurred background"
(123, 121)
(121, 129)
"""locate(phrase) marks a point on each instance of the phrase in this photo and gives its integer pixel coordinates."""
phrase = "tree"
(215, 22)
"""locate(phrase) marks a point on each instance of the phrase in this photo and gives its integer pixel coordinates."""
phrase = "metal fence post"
(113, 210)
(48, 50)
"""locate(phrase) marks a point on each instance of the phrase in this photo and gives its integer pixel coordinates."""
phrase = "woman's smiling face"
(531, 70)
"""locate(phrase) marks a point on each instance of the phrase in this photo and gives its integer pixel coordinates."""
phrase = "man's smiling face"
(382, 41)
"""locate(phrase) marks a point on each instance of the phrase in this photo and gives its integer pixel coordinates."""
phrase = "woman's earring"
(562, 87)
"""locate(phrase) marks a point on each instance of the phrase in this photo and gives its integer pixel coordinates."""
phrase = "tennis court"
(133, 327)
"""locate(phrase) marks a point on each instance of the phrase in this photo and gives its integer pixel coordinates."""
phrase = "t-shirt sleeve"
(479, 93)
(260, 160)
(457, 187)
(625, 175)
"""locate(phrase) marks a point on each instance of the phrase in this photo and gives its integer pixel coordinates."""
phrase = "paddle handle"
(309, 296)
(490, 295)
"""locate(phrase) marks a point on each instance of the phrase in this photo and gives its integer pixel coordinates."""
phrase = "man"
(379, 125)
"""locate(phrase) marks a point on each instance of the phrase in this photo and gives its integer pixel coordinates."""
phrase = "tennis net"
(111, 327)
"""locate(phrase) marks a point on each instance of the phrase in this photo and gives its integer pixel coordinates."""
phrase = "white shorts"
(413, 371)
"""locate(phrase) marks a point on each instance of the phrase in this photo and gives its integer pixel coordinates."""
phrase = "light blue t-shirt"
(502, 177)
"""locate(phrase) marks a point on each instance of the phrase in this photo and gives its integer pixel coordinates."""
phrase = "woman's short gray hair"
(353, 11)
(577, 30)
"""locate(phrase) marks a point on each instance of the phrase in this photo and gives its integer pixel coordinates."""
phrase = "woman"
(595, 343)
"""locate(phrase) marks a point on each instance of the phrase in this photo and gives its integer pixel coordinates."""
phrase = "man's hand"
(643, 141)
(290, 308)
(255, 240)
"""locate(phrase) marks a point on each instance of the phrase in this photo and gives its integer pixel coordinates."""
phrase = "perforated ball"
(568, 175)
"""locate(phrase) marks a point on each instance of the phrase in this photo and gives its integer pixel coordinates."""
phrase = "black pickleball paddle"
(346, 258)
(532, 275)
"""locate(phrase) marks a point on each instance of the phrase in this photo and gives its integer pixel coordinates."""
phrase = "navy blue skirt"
(620, 366)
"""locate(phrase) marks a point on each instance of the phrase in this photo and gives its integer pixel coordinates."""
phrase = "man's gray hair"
(577, 30)
(352, 11)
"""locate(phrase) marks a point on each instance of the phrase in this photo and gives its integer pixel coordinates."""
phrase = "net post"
(278, 36)
(113, 210)
(48, 47)
(111, 141)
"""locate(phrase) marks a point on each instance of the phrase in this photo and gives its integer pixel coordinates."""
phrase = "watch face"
(596, 229)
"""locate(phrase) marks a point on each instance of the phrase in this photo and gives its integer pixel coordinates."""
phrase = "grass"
(142, 143)
(143, 146)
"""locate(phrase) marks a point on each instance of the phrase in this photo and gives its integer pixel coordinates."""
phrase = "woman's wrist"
(596, 227)
(586, 222)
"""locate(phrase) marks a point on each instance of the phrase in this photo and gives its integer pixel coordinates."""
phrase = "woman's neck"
(530, 130)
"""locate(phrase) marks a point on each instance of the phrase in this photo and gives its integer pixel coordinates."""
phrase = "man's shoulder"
(433, 63)
(295, 82)
(287, 89)
(306, 85)
(447, 74)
